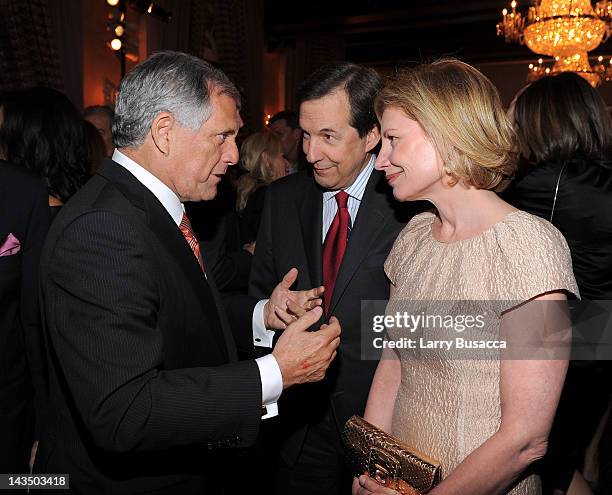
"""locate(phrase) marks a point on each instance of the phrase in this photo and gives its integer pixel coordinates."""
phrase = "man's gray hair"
(167, 82)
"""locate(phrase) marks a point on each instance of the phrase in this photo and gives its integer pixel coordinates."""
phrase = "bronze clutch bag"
(371, 451)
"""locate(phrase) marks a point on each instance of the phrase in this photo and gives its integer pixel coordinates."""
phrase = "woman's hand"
(33, 454)
(364, 485)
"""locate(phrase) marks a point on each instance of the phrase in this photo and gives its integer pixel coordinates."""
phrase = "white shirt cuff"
(271, 383)
(272, 410)
(262, 337)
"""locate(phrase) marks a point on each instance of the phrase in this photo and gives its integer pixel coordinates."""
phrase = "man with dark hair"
(101, 116)
(286, 126)
(336, 223)
(146, 391)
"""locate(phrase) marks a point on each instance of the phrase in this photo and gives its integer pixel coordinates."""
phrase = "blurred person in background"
(261, 155)
(286, 126)
(565, 136)
(43, 131)
(96, 150)
(101, 116)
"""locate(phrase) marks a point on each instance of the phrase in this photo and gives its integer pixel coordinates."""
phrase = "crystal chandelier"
(563, 29)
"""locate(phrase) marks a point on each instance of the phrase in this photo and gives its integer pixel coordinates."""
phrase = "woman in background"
(446, 139)
(261, 155)
(565, 135)
(44, 132)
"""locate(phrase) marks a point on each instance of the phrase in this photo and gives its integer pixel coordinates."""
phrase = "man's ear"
(372, 138)
(162, 129)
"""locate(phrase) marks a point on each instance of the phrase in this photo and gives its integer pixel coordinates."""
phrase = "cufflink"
(264, 411)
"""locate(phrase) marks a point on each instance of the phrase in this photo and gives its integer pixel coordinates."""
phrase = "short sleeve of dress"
(536, 259)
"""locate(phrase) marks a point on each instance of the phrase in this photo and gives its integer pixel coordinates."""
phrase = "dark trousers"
(320, 467)
(584, 400)
(605, 460)
(16, 433)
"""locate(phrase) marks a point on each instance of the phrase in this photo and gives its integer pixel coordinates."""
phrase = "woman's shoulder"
(524, 230)
(409, 241)
(535, 255)
(419, 224)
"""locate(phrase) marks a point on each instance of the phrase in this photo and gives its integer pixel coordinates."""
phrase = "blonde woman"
(446, 139)
(261, 155)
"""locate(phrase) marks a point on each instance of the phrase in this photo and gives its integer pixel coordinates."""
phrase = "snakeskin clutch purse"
(371, 451)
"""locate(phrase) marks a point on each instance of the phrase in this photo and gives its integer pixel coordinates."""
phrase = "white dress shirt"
(355, 192)
(261, 335)
(271, 377)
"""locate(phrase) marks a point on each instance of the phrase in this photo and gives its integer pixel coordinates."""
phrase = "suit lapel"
(170, 237)
(230, 344)
(373, 214)
(311, 213)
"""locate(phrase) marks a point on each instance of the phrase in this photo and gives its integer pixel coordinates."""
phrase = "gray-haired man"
(146, 392)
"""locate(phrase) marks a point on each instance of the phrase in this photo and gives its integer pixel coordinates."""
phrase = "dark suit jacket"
(217, 227)
(290, 236)
(146, 393)
(250, 217)
(24, 213)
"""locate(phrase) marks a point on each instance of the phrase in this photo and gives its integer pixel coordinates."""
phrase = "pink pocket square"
(10, 246)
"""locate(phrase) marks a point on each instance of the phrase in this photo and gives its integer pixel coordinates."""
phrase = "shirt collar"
(357, 188)
(162, 192)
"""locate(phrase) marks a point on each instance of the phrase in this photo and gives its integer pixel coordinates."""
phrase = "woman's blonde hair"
(256, 155)
(461, 112)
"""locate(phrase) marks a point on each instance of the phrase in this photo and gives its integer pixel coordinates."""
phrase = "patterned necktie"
(334, 247)
(187, 231)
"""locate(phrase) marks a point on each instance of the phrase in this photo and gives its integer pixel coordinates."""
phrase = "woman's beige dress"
(447, 407)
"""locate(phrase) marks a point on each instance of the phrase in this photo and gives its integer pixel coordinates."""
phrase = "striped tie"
(191, 239)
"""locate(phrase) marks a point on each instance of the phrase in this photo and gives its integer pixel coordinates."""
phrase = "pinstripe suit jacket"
(146, 391)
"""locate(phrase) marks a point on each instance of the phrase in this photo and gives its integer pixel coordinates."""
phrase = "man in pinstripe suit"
(147, 395)
(344, 198)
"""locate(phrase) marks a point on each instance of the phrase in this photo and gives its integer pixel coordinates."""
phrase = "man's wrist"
(266, 312)
(271, 379)
(262, 337)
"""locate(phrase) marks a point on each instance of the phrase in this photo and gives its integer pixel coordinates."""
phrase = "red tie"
(187, 231)
(335, 246)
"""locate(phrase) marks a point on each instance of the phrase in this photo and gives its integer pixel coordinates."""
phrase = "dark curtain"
(229, 33)
(67, 27)
(28, 48)
(309, 54)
